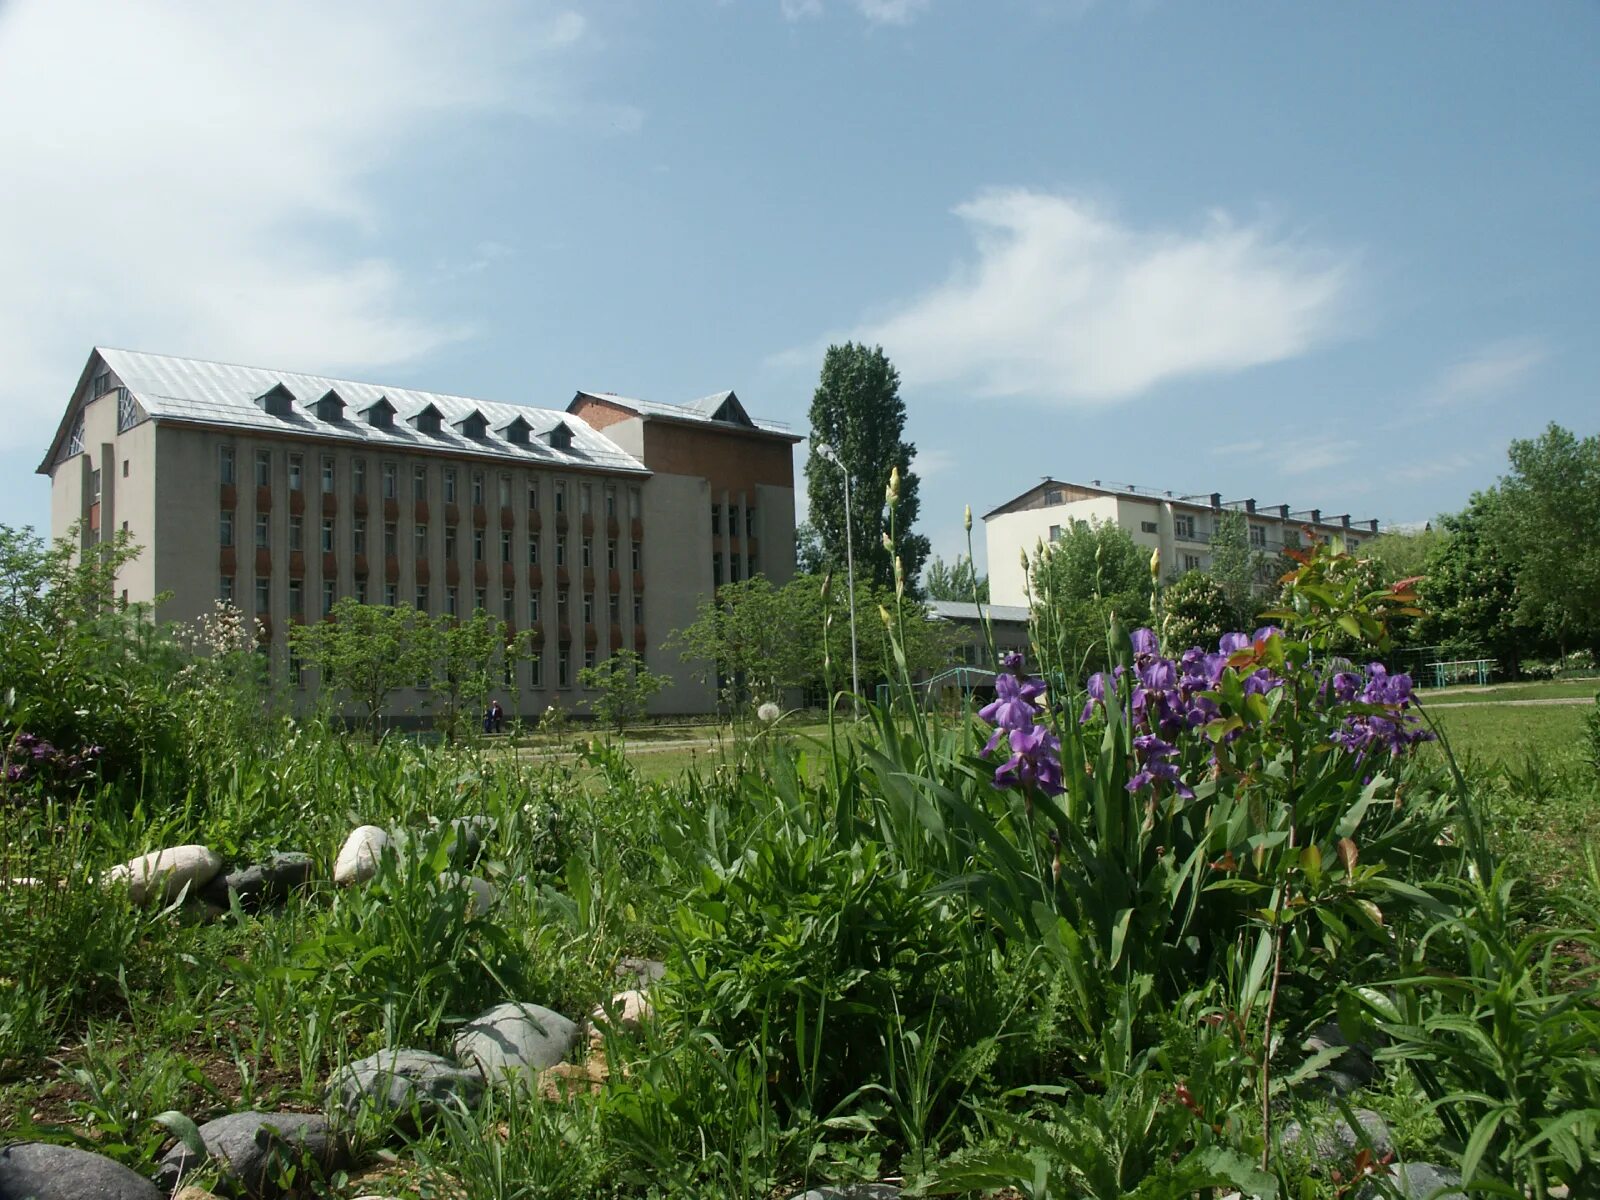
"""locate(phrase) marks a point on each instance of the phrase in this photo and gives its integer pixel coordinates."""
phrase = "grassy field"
(1554, 689)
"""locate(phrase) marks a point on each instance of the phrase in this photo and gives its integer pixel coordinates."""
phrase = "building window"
(480, 600)
(296, 473)
(611, 554)
(327, 474)
(1183, 526)
(477, 488)
(449, 485)
(391, 539)
(533, 608)
(505, 546)
(361, 591)
(1258, 536)
(225, 589)
(358, 476)
(638, 609)
(750, 522)
(391, 595)
(452, 601)
(477, 545)
(419, 483)
(1055, 533)
(390, 481)
(297, 533)
(419, 542)
(536, 671)
(263, 598)
(75, 438)
(533, 496)
(225, 529)
(588, 553)
(733, 520)
(225, 465)
(263, 532)
(94, 486)
(716, 519)
(449, 542)
(361, 535)
(716, 570)
(584, 499)
(616, 608)
(297, 598)
(1191, 562)
(508, 603)
(1052, 497)
(734, 567)
(101, 384)
(1147, 527)
(263, 468)
(561, 495)
(124, 468)
(422, 597)
(328, 593)
(611, 501)
(561, 551)
(588, 657)
(638, 557)
(588, 608)
(505, 491)
(533, 549)
(753, 567)
(561, 605)
(327, 535)
(564, 667)
(633, 503)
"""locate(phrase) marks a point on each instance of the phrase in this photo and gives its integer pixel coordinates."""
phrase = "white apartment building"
(1179, 526)
(596, 527)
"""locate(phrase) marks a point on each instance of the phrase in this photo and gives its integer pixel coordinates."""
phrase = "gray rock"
(854, 1191)
(513, 1039)
(359, 856)
(162, 874)
(35, 1171)
(261, 884)
(470, 833)
(1336, 1140)
(1420, 1181)
(250, 1148)
(643, 971)
(1348, 1071)
(481, 894)
(395, 1080)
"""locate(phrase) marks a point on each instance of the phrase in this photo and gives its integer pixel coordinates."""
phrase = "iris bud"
(969, 518)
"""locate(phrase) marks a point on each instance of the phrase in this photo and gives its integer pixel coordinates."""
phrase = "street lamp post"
(828, 453)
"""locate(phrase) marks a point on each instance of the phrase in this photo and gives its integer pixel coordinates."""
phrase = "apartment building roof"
(719, 408)
(1036, 497)
(966, 610)
(266, 400)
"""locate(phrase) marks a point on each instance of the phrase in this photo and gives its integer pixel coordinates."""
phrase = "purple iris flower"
(1345, 686)
(1158, 675)
(1156, 766)
(1259, 683)
(1232, 643)
(1035, 760)
(1013, 706)
(1145, 645)
(1265, 632)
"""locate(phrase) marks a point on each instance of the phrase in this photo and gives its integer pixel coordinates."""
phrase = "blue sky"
(1331, 255)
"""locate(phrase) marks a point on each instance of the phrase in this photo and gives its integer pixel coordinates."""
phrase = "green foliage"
(1234, 565)
(1404, 554)
(857, 411)
(368, 652)
(1196, 610)
(470, 658)
(1090, 575)
(1470, 593)
(625, 686)
(954, 581)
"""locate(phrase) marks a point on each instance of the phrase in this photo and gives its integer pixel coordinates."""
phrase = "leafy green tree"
(1090, 574)
(1469, 593)
(1403, 554)
(1235, 565)
(368, 652)
(954, 581)
(469, 658)
(747, 634)
(1548, 522)
(625, 685)
(857, 411)
(808, 558)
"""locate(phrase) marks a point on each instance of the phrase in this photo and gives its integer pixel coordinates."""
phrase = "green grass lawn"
(1554, 689)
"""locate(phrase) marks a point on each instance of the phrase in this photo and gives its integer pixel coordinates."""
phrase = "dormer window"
(278, 401)
(560, 437)
(516, 431)
(474, 425)
(379, 414)
(428, 420)
(330, 407)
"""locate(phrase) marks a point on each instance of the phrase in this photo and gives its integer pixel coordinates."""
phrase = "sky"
(1330, 255)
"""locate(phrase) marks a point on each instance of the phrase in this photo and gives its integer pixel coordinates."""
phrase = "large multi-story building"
(1179, 526)
(597, 527)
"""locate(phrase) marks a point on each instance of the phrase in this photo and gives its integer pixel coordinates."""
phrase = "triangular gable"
(277, 401)
(560, 436)
(330, 406)
(379, 414)
(427, 419)
(731, 411)
(516, 430)
(473, 425)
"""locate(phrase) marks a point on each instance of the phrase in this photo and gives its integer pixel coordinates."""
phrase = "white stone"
(628, 1010)
(482, 891)
(162, 874)
(359, 856)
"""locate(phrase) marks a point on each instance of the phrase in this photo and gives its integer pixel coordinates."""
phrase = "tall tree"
(954, 581)
(1470, 590)
(1089, 574)
(1549, 524)
(368, 652)
(858, 413)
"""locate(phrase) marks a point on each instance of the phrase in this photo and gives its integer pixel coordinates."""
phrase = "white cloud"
(1304, 456)
(1489, 372)
(178, 176)
(927, 463)
(1067, 303)
(878, 12)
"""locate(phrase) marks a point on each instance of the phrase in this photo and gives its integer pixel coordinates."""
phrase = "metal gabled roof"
(224, 394)
(701, 411)
(966, 610)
